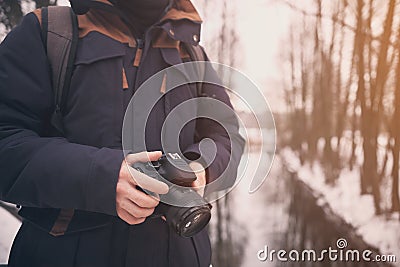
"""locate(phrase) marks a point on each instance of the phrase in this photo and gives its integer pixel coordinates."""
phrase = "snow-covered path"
(346, 201)
(9, 226)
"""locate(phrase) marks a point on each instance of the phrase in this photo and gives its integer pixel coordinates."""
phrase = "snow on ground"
(9, 226)
(345, 200)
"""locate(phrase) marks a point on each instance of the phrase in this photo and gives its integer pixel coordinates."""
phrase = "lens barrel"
(192, 221)
(191, 217)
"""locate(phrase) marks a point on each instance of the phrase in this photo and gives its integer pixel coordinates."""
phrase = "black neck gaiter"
(142, 13)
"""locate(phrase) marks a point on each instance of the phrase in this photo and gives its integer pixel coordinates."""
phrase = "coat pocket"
(97, 47)
(95, 97)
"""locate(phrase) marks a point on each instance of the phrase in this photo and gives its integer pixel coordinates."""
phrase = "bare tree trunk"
(377, 92)
(395, 133)
(304, 92)
(297, 134)
(317, 107)
(219, 232)
(10, 13)
(330, 103)
(341, 111)
(359, 40)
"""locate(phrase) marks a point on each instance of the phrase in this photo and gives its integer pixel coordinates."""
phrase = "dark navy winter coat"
(78, 172)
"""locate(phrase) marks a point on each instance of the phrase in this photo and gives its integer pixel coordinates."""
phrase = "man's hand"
(134, 206)
(201, 181)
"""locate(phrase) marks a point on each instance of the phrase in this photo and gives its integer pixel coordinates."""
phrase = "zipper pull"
(163, 88)
(125, 84)
(139, 52)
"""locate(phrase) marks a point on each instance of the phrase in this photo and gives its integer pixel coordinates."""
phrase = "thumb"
(143, 157)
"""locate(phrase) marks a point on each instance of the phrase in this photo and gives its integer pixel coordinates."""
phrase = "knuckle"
(126, 205)
(144, 212)
(150, 212)
(119, 212)
(141, 202)
(122, 204)
(135, 212)
(134, 196)
(125, 174)
(118, 204)
(155, 202)
(120, 190)
(149, 203)
(152, 204)
(124, 216)
(141, 213)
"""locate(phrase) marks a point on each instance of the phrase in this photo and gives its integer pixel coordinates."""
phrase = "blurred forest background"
(342, 92)
(11, 11)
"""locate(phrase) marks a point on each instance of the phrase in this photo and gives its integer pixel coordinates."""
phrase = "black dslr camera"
(196, 212)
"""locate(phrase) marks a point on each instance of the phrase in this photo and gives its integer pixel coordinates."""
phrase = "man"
(79, 197)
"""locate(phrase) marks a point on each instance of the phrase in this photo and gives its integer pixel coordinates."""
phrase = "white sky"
(262, 26)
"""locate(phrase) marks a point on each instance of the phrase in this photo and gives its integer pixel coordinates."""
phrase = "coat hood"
(81, 6)
(181, 9)
(181, 22)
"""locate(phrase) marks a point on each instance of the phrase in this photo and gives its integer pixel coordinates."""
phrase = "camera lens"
(189, 219)
(193, 221)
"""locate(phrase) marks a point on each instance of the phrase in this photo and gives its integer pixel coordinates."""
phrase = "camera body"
(171, 167)
(195, 212)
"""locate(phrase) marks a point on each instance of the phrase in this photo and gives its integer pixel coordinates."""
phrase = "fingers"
(125, 190)
(136, 211)
(198, 187)
(201, 180)
(196, 167)
(132, 213)
(149, 183)
(133, 206)
(141, 199)
(128, 218)
(143, 157)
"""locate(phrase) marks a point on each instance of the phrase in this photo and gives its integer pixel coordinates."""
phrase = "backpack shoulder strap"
(60, 36)
(196, 53)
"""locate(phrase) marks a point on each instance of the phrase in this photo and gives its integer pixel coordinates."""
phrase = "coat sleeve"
(38, 171)
(223, 130)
